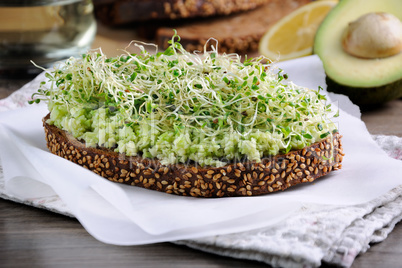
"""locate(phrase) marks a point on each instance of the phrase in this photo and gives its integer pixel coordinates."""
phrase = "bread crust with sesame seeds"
(248, 178)
(239, 33)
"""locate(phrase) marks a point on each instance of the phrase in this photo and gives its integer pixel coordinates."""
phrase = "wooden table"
(31, 237)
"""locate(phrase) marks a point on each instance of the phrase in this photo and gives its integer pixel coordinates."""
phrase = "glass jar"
(43, 32)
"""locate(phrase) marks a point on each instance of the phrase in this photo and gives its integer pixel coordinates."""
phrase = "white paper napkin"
(125, 215)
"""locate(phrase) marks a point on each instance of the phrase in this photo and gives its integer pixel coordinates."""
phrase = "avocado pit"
(373, 35)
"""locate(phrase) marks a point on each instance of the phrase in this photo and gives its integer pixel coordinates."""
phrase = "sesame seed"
(229, 169)
(255, 175)
(165, 171)
(283, 165)
(217, 176)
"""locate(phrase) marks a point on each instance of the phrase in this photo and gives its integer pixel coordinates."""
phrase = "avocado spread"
(178, 106)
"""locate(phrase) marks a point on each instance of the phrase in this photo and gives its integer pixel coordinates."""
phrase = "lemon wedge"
(293, 35)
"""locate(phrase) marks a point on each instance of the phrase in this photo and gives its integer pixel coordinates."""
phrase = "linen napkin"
(139, 212)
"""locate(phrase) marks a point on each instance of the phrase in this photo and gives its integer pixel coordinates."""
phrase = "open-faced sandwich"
(203, 124)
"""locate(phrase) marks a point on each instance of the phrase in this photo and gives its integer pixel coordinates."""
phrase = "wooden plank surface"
(33, 237)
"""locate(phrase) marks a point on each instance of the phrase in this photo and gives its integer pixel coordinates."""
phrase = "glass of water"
(44, 32)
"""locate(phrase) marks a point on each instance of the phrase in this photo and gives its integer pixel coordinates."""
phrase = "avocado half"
(367, 82)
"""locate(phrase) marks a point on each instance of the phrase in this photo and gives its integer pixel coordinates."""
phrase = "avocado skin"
(367, 98)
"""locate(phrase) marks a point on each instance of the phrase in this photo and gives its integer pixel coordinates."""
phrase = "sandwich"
(200, 124)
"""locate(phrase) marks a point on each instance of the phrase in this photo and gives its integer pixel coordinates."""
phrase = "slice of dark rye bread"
(239, 33)
(117, 12)
(235, 179)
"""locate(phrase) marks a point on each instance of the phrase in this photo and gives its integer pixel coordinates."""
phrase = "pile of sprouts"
(242, 109)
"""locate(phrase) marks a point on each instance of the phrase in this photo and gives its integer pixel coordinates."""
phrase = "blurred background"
(237, 25)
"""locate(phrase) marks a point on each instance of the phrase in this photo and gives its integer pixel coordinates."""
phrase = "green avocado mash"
(178, 106)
